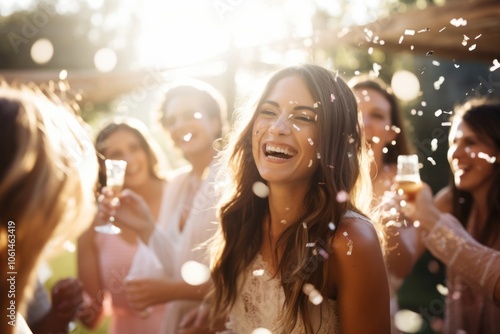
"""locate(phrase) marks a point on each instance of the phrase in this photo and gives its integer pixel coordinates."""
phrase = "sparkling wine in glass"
(408, 175)
(115, 175)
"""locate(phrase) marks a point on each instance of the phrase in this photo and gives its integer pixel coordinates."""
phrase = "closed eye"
(267, 112)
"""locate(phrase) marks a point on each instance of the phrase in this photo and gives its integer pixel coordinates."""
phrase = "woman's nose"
(280, 126)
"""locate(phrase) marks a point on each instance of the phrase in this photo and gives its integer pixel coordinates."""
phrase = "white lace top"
(260, 304)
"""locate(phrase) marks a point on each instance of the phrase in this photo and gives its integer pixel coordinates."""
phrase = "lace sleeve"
(478, 265)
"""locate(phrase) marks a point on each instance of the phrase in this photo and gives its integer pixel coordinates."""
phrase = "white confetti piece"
(342, 196)
(496, 65)
(260, 189)
(258, 272)
(409, 32)
(195, 273)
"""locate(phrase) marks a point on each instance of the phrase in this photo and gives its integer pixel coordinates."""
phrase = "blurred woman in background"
(104, 260)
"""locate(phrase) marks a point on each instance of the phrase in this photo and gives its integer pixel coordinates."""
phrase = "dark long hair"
(242, 213)
(483, 117)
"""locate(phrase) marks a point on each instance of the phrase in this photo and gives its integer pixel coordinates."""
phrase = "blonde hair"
(47, 171)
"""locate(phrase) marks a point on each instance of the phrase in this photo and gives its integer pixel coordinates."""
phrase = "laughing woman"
(294, 253)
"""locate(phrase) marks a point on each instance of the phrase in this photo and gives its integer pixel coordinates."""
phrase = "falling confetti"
(437, 84)
(488, 158)
(258, 272)
(283, 221)
(310, 141)
(332, 97)
(342, 196)
(323, 253)
(401, 39)
(296, 127)
(443, 28)
(424, 30)
(261, 330)
(446, 124)
(438, 113)
(435, 63)
(318, 155)
(396, 129)
(409, 32)
(331, 226)
(432, 161)
(472, 47)
(316, 104)
(187, 137)
(310, 244)
(195, 273)
(496, 65)
(349, 243)
(458, 22)
(260, 189)
(434, 145)
(315, 297)
(198, 115)
(310, 163)
(313, 294)
(478, 36)
(429, 53)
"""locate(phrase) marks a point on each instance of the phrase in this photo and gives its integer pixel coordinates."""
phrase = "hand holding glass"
(408, 175)
(115, 175)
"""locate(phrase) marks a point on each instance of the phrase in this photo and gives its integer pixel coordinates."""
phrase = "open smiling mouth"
(278, 152)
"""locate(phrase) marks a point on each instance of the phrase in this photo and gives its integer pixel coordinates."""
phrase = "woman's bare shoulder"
(355, 234)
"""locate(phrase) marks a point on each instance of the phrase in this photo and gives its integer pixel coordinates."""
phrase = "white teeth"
(270, 148)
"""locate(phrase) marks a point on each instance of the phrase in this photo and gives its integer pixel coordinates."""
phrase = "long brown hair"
(242, 213)
(47, 170)
(483, 117)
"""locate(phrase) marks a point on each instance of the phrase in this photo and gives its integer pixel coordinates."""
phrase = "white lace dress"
(260, 304)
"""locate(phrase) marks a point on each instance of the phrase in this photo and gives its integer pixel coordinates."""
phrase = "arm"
(402, 244)
(361, 279)
(145, 292)
(89, 274)
(447, 240)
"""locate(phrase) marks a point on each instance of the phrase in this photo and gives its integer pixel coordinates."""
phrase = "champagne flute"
(408, 175)
(115, 175)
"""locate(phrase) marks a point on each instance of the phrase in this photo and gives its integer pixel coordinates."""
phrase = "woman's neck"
(200, 162)
(285, 206)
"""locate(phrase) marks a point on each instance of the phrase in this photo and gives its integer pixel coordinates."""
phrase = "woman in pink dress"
(104, 260)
